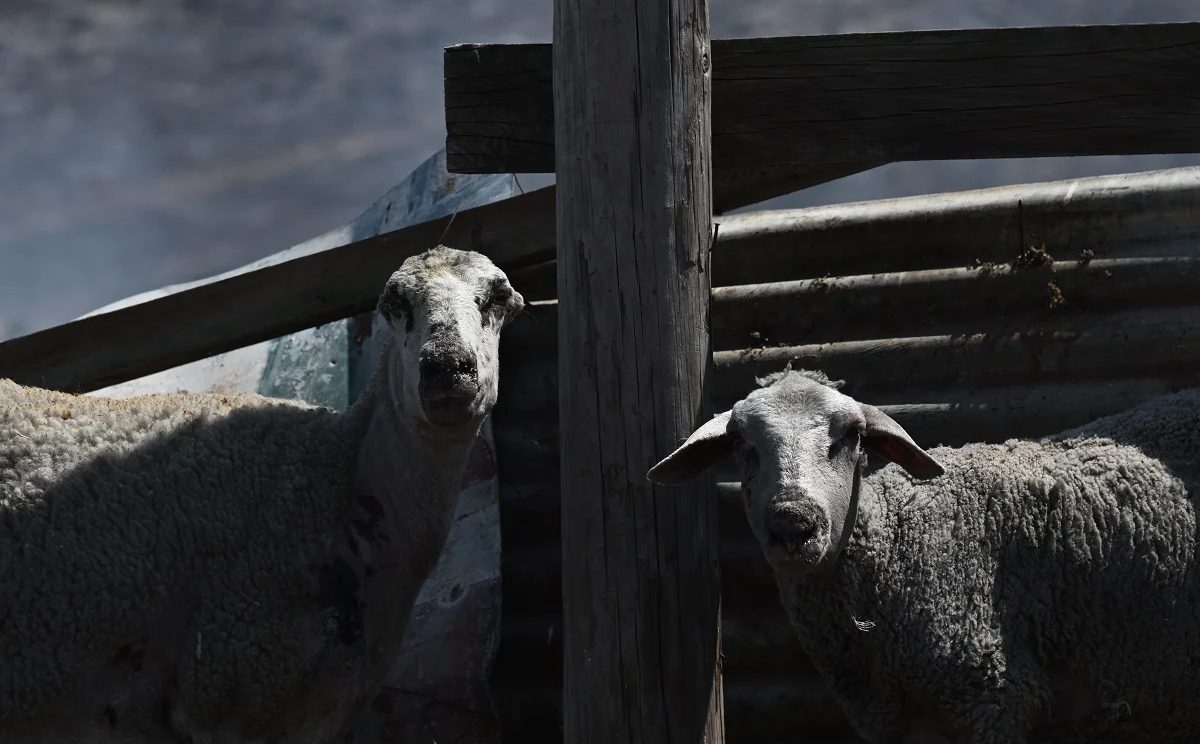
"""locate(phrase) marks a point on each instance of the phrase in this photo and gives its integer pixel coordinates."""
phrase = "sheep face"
(445, 309)
(800, 445)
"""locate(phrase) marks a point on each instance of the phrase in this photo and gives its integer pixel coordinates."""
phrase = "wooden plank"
(105, 349)
(500, 110)
(955, 417)
(1117, 216)
(874, 98)
(641, 593)
(1124, 215)
(945, 301)
(1086, 346)
(736, 187)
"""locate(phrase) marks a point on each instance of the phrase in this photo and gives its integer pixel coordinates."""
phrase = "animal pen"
(971, 316)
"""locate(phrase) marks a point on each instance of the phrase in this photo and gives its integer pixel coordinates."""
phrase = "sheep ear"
(703, 448)
(889, 439)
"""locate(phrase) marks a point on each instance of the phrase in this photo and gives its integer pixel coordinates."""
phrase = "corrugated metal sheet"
(969, 316)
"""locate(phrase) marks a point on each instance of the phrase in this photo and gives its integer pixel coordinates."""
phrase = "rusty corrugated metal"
(934, 307)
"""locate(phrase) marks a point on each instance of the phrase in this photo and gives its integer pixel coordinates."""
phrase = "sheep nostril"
(793, 535)
(466, 366)
(448, 370)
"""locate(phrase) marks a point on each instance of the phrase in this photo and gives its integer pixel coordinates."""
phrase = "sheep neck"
(844, 589)
(406, 477)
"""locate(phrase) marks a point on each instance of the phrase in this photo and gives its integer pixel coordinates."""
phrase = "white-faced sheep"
(1046, 587)
(206, 568)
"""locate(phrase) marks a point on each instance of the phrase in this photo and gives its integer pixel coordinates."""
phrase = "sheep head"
(445, 309)
(799, 443)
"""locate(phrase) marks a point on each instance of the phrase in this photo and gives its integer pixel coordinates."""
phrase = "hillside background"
(145, 142)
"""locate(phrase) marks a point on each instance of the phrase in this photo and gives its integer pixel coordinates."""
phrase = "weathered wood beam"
(874, 98)
(945, 301)
(500, 113)
(740, 187)
(641, 592)
(1161, 341)
(125, 344)
(1117, 216)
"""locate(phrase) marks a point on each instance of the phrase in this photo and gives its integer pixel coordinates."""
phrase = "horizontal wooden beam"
(1160, 342)
(944, 301)
(196, 323)
(874, 98)
(1117, 216)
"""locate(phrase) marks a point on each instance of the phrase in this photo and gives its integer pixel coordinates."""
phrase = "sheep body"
(235, 569)
(1050, 582)
(136, 528)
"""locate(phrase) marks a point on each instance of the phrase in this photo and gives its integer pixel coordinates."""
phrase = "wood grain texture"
(945, 301)
(640, 567)
(125, 344)
(1074, 347)
(1150, 214)
(1117, 216)
(500, 119)
(874, 98)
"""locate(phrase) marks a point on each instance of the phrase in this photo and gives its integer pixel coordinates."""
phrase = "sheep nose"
(444, 369)
(449, 384)
(795, 526)
(790, 531)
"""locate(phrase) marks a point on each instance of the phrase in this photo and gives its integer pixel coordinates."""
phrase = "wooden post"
(641, 589)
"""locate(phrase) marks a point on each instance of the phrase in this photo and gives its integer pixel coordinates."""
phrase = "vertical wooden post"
(640, 577)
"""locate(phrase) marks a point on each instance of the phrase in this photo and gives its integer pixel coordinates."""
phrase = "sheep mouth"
(453, 407)
(785, 549)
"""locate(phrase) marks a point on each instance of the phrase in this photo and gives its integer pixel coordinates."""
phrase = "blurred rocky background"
(145, 142)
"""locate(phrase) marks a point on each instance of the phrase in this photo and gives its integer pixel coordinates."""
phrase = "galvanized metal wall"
(969, 316)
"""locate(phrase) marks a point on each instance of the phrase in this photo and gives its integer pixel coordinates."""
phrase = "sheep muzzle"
(449, 386)
(797, 534)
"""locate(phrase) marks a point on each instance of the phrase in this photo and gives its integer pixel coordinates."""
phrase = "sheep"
(983, 594)
(232, 568)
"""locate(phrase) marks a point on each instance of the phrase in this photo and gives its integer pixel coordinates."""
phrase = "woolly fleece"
(217, 569)
(145, 545)
(1062, 570)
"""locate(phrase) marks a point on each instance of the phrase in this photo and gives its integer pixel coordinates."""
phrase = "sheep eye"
(499, 295)
(748, 458)
(850, 441)
(399, 306)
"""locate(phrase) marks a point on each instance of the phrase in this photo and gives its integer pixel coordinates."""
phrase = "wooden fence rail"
(128, 343)
(867, 99)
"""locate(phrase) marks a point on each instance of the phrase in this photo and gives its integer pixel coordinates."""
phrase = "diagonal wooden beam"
(873, 98)
(128, 343)
(125, 344)
(741, 187)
